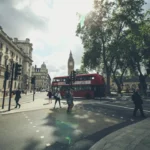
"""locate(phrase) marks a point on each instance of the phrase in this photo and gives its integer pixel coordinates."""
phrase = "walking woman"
(57, 98)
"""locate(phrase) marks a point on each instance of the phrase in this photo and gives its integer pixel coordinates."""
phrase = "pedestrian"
(49, 94)
(57, 97)
(137, 100)
(69, 98)
(17, 97)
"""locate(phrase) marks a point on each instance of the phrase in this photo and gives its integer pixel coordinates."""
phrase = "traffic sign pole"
(11, 84)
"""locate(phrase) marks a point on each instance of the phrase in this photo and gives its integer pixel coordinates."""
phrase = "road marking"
(37, 130)
(30, 122)
(34, 126)
(42, 137)
(121, 117)
(48, 144)
(122, 107)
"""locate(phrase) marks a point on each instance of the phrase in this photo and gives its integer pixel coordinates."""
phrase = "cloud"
(50, 25)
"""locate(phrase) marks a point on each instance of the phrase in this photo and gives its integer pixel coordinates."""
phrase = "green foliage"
(116, 34)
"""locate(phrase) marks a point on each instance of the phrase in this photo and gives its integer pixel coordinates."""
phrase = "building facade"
(130, 83)
(43, 80)
(15, 51)
(70, 63)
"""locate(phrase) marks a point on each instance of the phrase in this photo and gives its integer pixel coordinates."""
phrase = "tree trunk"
(119, 89)
(107, 83)
(142, 85)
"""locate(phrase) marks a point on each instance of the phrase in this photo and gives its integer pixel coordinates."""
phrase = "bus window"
(75, 88)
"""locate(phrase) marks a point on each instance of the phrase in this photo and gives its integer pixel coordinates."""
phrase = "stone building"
(70, 63)
(130, 83)
(12, 51)
(43, 80)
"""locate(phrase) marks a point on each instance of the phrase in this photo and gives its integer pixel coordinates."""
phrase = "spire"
(70, 53)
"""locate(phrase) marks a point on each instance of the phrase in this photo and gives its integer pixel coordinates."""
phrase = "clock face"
(71, 64)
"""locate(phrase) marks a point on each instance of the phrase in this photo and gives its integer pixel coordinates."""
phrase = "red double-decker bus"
(85, 86)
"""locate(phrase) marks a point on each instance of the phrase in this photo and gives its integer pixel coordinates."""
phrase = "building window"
(16, 58)
(1, 45)
(12, 54)
(15, 85)
(6, 50)
(9, 84)
(0, 59)
(20, 60)
(5, 62)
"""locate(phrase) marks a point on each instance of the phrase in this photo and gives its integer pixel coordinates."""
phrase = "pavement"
(132, 137)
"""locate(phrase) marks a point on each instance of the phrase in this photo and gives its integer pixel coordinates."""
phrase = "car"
(43, 90)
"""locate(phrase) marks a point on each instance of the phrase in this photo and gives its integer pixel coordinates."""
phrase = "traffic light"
(73, 76)
(7, 75)
(17, 70)
(33, 80)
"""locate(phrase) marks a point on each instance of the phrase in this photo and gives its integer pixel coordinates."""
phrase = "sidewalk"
(132, 137)
(29, 106)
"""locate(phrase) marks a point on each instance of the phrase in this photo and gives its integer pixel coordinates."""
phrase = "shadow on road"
(31, 144)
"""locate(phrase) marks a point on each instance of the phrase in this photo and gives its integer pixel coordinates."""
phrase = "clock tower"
(70, 64)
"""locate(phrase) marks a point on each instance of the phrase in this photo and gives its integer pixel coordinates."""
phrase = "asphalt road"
(55, 130)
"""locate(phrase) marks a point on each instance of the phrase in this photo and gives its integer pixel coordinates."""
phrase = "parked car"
(43, 90)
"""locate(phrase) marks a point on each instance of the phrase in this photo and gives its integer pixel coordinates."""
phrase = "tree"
(140, 51)
(82, 70)
(104, 35)
(96, 36)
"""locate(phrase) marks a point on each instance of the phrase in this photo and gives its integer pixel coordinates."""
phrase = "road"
(50, 129)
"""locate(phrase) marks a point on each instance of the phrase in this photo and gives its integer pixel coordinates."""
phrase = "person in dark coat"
(49, 94)
(69, 98)
(17, 97)
(138, 103)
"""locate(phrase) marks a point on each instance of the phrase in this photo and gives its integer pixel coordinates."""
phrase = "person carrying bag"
(57, 97)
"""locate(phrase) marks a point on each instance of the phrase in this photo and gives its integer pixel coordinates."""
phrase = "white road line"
(34, 126)
(123, 107)
(31, 122)
(42, 137)
(48, 144)
(37, 130)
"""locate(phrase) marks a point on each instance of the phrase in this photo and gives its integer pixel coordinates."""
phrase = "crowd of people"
(136, 98)
(57, 97)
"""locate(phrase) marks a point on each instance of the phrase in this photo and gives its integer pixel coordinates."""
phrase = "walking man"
(69, 98)
(138, 103)
(17, 97)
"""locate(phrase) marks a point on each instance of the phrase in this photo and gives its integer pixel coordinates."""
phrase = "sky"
(50, 25)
